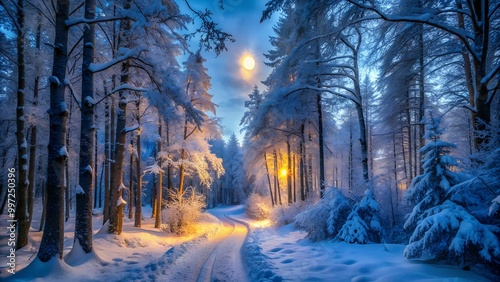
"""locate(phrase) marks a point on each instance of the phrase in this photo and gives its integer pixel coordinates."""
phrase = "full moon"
(248, 63)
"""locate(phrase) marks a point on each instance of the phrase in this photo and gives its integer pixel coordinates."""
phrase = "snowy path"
(217, 259)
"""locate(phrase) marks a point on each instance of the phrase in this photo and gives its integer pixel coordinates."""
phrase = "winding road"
(217, 259)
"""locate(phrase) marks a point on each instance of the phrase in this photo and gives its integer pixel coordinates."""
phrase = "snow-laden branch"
(125, 54)
(122, 88)
(426, 18)
(342, 87)
(134, 127)
(75, 21)
(154, 169)
(319, 61)
(127, 87)
(348, 97)
(321, 89)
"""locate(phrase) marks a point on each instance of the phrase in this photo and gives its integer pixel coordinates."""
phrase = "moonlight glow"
(248, 63)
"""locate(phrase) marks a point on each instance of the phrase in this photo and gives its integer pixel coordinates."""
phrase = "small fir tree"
(429, 189)
(363, 223)
(445, 228)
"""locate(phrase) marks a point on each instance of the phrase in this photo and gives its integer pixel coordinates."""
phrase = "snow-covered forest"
(368, 147)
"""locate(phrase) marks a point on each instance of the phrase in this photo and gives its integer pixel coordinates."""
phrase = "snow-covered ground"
(291, 257)
(224, 250)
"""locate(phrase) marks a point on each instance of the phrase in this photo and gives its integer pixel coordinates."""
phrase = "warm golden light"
(283, 172)
(248, 63)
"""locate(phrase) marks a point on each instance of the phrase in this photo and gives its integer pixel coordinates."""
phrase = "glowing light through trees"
(248, 63)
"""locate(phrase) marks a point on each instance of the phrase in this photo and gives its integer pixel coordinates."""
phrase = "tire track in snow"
(207, 270)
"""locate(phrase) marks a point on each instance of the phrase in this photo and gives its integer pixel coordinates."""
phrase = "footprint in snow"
(349, 262)
(275, 250)
(288, 261)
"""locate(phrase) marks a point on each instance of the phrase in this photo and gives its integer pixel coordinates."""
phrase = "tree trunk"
(269, 179)
(276, 171)
(321, 146)
(131, 191)
(170, 185)
(468, 75)
(44, 204)
(361, 116)
(85, 191)
(481, 26)
(33, 158)
(159, 187)
(66, 169)
(116, 206)
(138, 175)
(294, 175)
(107, 161)
(22, 146)
(181, 168)
(302, 165)
(351, 164)
(116, 212)
(408, 134)
(289, 172)
(395, 168)
(53, 235)
(31, 174)
(95, 165)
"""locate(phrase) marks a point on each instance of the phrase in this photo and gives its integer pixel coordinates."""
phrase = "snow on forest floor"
(269, 254)
(125, 257)
(291, 257)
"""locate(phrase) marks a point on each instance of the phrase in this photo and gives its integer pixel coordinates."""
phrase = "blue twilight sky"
(231, 84)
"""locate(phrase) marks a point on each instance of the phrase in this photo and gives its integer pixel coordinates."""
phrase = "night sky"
(231, 84)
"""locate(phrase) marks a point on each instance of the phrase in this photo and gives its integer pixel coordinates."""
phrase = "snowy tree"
(448, 232)
(325, 219)
(466, 223)
(363, 223)
(430, 188)
(195, 158)
(252, 106)
(234, 176)
(474, 32)
(324, 61)
(445, 228)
